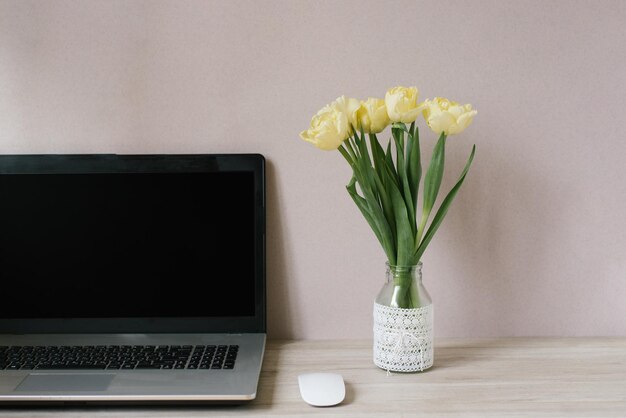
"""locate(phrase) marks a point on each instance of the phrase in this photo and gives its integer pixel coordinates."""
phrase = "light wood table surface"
(525, 377)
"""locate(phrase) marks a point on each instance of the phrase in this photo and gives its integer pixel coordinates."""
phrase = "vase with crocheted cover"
(403, 322)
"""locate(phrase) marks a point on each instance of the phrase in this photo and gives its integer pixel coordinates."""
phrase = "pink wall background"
(535, 243)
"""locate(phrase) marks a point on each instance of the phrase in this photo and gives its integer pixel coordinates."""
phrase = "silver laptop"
(131, 278)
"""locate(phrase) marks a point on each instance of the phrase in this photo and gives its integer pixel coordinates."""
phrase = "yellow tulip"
(372, 116)
(329, 127)
(402, 104)
(443, 115)
(349, 106)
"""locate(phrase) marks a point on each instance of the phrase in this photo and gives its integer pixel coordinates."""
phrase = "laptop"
(131, 278)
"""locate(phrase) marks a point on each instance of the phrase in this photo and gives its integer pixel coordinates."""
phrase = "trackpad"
(66, 382)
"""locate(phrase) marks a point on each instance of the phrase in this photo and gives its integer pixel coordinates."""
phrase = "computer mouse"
(322, 389)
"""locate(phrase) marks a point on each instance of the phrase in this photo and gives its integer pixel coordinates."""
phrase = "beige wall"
(535, 243)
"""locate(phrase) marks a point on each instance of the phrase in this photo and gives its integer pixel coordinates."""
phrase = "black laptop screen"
(127, 245)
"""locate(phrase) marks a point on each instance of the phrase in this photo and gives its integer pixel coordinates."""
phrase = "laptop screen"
(127, 245)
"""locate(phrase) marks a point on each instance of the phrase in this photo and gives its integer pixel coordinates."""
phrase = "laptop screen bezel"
(161, 163)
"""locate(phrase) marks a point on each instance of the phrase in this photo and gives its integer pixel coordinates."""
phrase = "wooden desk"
(530, 377)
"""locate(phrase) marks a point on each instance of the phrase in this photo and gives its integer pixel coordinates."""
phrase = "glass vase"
(403, 322)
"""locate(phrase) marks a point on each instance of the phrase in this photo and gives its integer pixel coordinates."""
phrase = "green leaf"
(385, 200)
(378, 156)
(385, 164)
(365, 176)
(414, 170)
(409, 142)
(365, 155)
(366, 168)
(404, 241)
(389, 160)
(432, 182)
(443, 209)
(361, 203)
(398, 136)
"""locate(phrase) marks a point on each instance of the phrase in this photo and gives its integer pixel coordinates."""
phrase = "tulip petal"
(441, 122)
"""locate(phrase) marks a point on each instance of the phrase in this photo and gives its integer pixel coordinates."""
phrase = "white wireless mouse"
(322, 389)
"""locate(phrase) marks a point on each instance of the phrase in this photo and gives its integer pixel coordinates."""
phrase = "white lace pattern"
(403, 338)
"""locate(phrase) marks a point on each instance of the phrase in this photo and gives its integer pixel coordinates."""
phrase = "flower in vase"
(402, 104)
(329, 127)
(371, 116)
(443, 115)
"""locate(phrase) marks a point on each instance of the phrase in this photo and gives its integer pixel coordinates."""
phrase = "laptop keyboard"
(119, 357)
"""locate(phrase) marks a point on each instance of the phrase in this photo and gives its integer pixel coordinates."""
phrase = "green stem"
(421, 228)
(346, 154)
(406, 291)
(351, 150)
(352, 147)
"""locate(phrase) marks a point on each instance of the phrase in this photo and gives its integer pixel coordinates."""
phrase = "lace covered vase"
(403, 322)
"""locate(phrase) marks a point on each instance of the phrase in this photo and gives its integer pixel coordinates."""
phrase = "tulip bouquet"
(388, 178)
